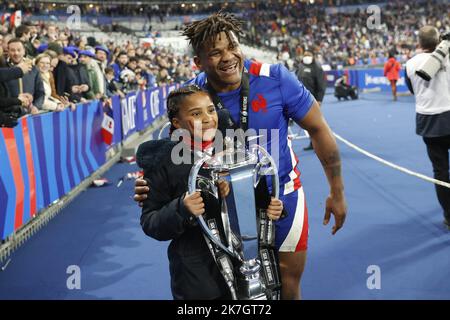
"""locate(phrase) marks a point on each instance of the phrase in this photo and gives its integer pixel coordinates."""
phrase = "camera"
(435, 61)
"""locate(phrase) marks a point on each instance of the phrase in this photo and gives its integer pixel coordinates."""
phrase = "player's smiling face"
(222, 62)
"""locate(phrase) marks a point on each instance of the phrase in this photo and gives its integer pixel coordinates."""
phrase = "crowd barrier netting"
(45, 156)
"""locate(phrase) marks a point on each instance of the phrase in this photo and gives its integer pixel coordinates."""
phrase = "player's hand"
(140, 191)
(275, 209)
(337, 206)
(194, 203)
(224, 188)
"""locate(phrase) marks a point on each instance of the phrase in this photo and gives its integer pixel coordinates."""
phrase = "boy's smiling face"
(198, 115)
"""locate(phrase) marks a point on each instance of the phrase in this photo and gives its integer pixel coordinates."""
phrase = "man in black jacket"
(65, 78)
(310, 73)
(31, 82)
(11, 108)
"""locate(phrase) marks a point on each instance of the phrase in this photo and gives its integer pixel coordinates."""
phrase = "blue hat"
(102, 48)
(74, 48)
(70, 50)
(42, 47)
(86, 53)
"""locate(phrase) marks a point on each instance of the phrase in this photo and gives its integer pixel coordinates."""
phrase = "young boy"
(169, 213)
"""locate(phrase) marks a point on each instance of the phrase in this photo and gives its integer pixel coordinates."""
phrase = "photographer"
(344, 90)
(433, 110)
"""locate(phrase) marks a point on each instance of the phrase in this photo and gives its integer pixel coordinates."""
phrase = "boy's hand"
(194, 203)
(224, 188)
(275, 209)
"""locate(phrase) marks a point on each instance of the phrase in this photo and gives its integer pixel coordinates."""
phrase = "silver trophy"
(241, 236)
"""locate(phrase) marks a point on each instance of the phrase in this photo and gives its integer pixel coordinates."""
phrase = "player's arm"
(328, 153)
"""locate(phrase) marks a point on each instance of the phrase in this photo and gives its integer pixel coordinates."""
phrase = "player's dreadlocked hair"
(208, 29)
(175, 99)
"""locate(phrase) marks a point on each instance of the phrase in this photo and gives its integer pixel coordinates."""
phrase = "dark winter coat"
(194, 274)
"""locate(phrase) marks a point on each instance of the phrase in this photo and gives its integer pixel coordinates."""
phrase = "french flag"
(107, 123)
(16, 19)
(5, 18)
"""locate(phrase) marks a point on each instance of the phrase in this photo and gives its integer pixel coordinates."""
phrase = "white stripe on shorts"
(293, 237)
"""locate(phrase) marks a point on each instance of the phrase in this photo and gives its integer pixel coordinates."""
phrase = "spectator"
(64, 75)
(50, 33)
(11, 108)
(111, 86)
(86, 62)
(98, 74)
(53, 59)
(120, 65)
(163, 77)
(52, 101)
(102, 54)
(31, 82)
(82, 89)
(132, 63)
(128, 81)
(24, 34)
(6, 39)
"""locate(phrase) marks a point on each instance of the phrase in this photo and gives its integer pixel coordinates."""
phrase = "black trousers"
(438, 148)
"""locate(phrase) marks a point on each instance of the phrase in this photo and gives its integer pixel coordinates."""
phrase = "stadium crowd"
(48, 68)
(45, 68)
(344, 38)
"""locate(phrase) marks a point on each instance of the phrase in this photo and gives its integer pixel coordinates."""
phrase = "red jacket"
(391, 69)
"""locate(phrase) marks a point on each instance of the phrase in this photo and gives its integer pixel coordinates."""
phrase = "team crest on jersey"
(259, 104)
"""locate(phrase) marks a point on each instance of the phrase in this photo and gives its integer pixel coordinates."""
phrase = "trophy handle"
(161, 131)
(273, 167)
(192, 187)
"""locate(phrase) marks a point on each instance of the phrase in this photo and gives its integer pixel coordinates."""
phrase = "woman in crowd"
(52, 101)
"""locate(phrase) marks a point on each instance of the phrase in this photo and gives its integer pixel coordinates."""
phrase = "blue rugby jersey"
(275, 96)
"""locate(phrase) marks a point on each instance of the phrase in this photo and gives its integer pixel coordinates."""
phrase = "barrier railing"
(46, 156)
